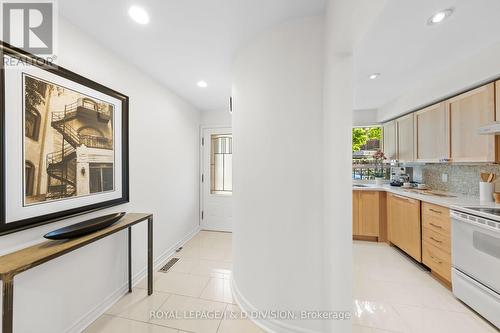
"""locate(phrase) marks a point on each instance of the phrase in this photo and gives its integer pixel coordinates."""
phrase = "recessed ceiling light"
(374, 76)
(440, 16)
(138, 14)
(202, 84)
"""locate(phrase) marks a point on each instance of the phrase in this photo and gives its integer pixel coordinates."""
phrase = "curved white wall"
(277, 126)
(293, 98)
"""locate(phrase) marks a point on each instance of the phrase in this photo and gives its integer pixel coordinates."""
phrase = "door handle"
(435, 211)
(401, 197)
(435, 225)
(436, 260)
(437, 241)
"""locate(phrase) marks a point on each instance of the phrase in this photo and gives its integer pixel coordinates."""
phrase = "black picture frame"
(7, 228)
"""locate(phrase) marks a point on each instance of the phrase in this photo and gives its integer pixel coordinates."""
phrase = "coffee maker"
(401, 175)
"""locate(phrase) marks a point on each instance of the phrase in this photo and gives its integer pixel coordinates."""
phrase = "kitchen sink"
(359, 185)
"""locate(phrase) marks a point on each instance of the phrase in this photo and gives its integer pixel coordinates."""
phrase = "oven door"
(476, 250)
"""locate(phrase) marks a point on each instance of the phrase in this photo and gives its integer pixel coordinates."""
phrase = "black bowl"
(85, 227)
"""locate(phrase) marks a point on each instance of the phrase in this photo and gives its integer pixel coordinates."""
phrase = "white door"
(217, 179)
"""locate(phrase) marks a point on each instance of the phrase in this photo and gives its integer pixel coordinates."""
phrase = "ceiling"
(192, 40)
(186, 40)
(407, 52)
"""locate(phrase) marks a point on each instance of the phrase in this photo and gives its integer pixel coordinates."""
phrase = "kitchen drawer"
(403, 198)
(437, 239)
(436, 218)
(435, 211)
(437, 260)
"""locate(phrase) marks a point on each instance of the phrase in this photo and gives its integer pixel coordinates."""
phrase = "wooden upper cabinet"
(467, 113)
(390, 139)
(406, 138)
(432, 134)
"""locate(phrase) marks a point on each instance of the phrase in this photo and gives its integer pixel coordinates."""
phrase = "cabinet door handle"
(436, 226)
(436, 260)
(435, 211)
(437, 241)
(402, 198)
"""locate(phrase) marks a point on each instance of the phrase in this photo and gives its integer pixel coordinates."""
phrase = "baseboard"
(109, 301)
(270, 326)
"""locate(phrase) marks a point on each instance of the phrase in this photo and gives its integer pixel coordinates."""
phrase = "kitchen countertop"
(458, 200)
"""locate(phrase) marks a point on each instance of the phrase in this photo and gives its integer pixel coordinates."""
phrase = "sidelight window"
(221, 164)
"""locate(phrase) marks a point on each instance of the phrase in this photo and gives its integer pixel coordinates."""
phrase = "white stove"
(475, 238)
(492, 213)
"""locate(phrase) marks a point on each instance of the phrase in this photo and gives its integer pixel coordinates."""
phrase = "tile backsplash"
(463, 179)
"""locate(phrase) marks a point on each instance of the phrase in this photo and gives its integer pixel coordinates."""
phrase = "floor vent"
(169, 265)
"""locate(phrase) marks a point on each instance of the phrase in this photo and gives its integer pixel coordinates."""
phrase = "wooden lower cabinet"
(355, 212)
(420, 229)
(368, 215)
(436, 246)
(403, 222)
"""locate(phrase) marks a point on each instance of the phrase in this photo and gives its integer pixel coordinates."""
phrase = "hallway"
(391, 295)
(199, 281)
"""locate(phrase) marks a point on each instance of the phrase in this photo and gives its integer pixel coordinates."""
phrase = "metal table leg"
(150, 255)
(129, 259)
(7, 304)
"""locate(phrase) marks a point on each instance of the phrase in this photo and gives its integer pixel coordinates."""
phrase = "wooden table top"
(22, 260)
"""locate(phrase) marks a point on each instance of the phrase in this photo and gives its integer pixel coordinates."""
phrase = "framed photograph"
(64, 143)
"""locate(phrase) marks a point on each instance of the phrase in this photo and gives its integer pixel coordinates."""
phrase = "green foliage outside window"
(361, 135)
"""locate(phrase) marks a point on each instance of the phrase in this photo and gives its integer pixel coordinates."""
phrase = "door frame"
(201, 167)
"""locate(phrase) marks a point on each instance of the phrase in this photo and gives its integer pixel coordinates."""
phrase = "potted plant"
(379, 158)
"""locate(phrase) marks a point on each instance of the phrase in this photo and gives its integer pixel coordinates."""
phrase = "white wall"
(346, 20)
(292, 162)
(481, 67)
(364, 117)
(277, 130)
(164, 162)
(216, 118)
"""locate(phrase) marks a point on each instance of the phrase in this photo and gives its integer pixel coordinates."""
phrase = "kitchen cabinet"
(355, 212)
(438, 261)
(405, 138)
(404, 226)
(369, 215)
(497, 101)
(390, 140)
(467, 112)
(436, 240)
(432, 134)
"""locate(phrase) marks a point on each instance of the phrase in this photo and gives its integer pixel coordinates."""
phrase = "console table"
(25, 259)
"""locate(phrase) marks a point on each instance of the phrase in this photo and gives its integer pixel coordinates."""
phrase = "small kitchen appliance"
(401, 175)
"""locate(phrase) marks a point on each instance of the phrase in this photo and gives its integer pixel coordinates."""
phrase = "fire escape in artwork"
(61, 165)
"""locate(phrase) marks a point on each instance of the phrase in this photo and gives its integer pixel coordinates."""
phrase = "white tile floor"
(200, 280)
(391, 294)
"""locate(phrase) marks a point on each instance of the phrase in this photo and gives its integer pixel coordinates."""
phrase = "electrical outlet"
(444, 177)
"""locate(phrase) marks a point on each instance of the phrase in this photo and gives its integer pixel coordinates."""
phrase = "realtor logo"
(29, 26)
